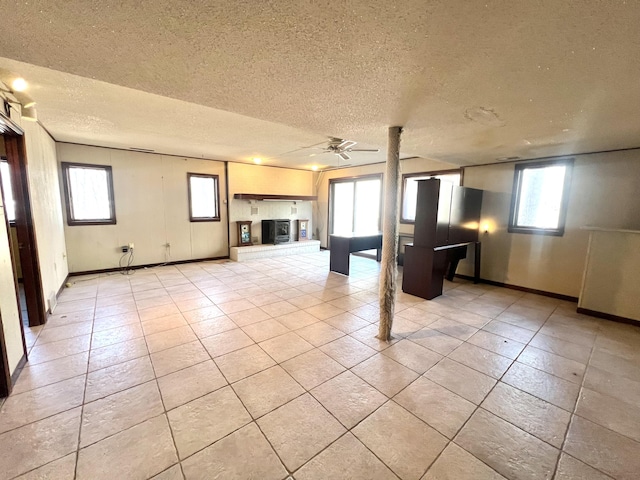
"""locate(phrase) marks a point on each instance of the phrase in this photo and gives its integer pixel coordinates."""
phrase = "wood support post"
(389, 266)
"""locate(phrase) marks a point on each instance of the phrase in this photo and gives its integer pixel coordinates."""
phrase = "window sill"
(537, 231)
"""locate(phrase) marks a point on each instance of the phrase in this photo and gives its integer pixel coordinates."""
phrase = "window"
(355, 205)
(410, 190)
(540, 193)
(9, 202)
(204, 197)
(89, 194)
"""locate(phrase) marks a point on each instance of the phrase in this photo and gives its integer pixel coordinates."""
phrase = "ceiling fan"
(342, 148)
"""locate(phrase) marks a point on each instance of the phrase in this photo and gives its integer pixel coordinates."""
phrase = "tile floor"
(270, 370)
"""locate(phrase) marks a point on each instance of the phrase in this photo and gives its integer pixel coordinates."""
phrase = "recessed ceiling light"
(257, 161)
(314, 168)
(19, 85)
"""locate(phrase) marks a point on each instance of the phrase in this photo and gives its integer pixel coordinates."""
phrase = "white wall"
(152, 209)
(46, 208)
(260, 179)
(604, 193)
(321, 212)
(9, 308)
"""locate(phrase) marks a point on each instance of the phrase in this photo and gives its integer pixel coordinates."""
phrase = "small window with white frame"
(88, 194)
(204, 197)
(410, 190)
(540, 197)
(9, 202)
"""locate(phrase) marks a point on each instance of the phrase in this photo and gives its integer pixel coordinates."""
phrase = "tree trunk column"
(389, 265)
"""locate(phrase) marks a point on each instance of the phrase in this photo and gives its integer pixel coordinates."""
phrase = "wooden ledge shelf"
(282, 198)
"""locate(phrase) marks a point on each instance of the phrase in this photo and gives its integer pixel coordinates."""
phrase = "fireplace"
(276, 231)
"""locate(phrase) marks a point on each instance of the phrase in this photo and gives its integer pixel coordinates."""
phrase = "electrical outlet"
(125, 249)
(131, 246)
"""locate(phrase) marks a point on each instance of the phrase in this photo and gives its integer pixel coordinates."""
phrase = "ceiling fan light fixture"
(19, 85)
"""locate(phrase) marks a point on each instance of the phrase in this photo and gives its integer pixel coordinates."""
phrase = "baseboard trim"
(559, 296)
(148, 265)
(609, 316)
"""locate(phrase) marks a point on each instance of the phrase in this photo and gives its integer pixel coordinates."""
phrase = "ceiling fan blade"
(343, 156)
(346, 145)
(363, 150)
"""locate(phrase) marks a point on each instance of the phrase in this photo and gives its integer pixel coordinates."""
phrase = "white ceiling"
(470, 81)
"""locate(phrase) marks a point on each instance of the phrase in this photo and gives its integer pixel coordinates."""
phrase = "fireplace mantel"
(275, 198)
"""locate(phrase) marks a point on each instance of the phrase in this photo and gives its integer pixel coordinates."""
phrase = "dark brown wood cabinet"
(447, 222)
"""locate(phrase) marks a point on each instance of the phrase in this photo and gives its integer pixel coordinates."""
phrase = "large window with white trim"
(355, 205)
(7, 190)
(410, 190)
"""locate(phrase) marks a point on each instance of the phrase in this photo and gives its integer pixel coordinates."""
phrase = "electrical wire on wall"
(125, 269)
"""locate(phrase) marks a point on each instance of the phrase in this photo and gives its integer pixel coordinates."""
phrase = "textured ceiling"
(470, 81)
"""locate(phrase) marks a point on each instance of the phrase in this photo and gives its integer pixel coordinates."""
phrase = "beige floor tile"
(118, 353)
(201, 314)
(535, 416)
(403, 327)
(110, 380)
(114, 335)
(507, 449)
(456, 463)
(266, 299)
(299, 430)
(177, 358)
(346, 322)
(154, 302)
(226, 342)
(507, 330)
(442, 409)
(61, 469)
(285, 346)
(59, 349)
(235, 306)
(412, 355)
(615, 414)
(437, 341)
(414, 447)
(454, 329)
(267, 390)
(36, 444)
(569, 334)
(200, 423)
(54, 371)
(497, 344)
(296, 320)
(163, 323)
(571, 469)
(127, 454)
(172, 473)
(610, 384)
(33, 405)
(368, 336)
(247, 317)
(462, 380)
(346, 459)
(265, 330)
(193, 304)
(418, 315)
(213, 326)
(349, 398)
(542, 385)
(554, 364)
(603, 449)
(157, 312)
(616, 365)
(105, 323)
(183, 386)
(468, 318)
(119, 411)
(245, 454)
(305, 301)
(319, 333)
(312, 368)
(370, 313)
(244, 362)
(481, 360)
(387, 375)
(75, 305)
(348, 351)
(573, 351)
(324, 311)
(170, 338)
(53, 334)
